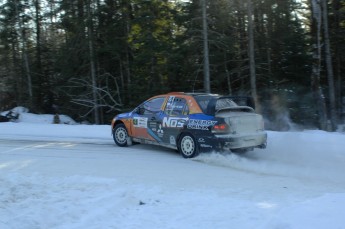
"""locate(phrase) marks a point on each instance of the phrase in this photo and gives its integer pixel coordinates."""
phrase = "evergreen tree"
(91, 58)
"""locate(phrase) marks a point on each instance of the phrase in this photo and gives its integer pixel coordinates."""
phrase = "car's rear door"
(175, 116)
(164, 126)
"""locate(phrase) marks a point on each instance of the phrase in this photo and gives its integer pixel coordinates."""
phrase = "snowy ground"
(73, 176)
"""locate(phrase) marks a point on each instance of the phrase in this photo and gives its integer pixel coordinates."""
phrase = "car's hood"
(124, 115)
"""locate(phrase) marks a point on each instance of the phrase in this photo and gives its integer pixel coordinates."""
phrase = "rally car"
(192, 123)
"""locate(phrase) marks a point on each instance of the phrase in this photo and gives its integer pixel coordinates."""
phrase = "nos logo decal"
(174, 122)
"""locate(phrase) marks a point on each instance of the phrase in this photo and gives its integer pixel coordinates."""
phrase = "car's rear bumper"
(237, 141)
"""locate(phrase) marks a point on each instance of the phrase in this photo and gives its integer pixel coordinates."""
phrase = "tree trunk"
(128, 10)
(41, 82)
(337, 54)
(228, 79)
(22, 35)
(92, 65)
(240, 47)
(251, 53)
(316, 65)
(207, 86)
(329, 65)
(18, 79)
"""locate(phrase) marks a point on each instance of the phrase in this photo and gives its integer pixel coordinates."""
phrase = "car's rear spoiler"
(237, 108)
(242, 100)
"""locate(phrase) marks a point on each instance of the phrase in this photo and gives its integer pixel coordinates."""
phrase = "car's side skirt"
(146, 141)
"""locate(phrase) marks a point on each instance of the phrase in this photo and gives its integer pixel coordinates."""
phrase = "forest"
(92, 59)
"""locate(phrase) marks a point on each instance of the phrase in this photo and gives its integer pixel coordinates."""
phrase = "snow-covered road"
(60, 176)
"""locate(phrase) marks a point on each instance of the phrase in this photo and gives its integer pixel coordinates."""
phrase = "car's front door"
(144, 115)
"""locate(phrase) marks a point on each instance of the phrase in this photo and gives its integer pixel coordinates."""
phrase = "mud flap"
(129, 141)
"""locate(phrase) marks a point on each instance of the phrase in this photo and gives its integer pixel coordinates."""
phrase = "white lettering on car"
(199, 124)
(174, 122)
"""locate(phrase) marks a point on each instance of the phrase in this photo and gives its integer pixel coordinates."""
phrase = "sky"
(67, 176)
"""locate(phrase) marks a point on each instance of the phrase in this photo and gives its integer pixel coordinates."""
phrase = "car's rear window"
(210, 104)
(223, 103)
(203, 102)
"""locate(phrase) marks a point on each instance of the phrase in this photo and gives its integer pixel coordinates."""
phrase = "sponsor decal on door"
(140, 122)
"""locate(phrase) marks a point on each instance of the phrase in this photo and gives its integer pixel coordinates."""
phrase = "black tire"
(187, 146)
(120, 135)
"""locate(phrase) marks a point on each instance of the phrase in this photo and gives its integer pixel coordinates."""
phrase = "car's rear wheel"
(187, 146)
(120, 135)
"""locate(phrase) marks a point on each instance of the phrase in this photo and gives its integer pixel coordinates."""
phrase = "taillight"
(220, 128)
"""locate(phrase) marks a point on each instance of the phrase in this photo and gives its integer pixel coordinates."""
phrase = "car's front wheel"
(187, 146)
(120, 135)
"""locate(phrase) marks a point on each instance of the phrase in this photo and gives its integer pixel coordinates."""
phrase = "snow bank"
(298, 182)
(91, 202)
(25, 116)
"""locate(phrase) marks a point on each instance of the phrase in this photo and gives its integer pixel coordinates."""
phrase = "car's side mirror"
(140, 110)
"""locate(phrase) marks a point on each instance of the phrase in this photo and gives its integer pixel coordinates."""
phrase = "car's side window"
(152, 106)
(176, 106)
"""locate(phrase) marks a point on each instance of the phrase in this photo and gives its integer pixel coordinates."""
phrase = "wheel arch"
(178, 137)
(116, 123)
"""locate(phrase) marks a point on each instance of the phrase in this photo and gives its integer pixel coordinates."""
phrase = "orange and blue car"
(192, 123)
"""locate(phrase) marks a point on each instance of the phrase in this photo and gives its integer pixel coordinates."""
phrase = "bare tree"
(108, 98)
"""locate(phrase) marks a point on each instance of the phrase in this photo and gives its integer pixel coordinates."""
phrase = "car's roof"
(241, 100)
(192, 94)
